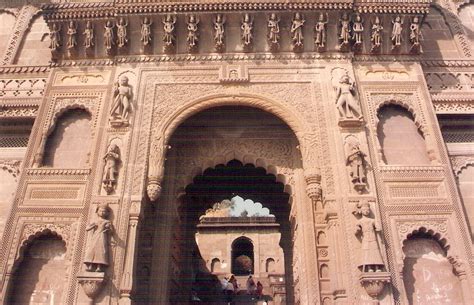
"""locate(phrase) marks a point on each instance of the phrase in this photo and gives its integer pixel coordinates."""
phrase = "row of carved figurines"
(350, 30)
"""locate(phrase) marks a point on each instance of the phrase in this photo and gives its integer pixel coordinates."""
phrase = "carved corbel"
(374, 283)
(156, 167)
(92, 283)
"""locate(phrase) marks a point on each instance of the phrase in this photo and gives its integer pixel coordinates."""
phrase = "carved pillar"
(126, 284)
(314, 192)
(23, 19)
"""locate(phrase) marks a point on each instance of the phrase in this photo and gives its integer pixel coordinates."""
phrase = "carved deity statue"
(357, 29)
(297, 31)
(55, 37)
(397, 32)
(358, 166)
(71, 35)
(345, 98)
(274, 31)
(247, 30)
(376, 35)
(122, 33)
(88, 35)
(112, 162)
(415, 35)
(371, 258)
(193, 32)
(345, 34)
(145, 31)
(108, 36)
(97, 251)
(168, 27)
(219, 31)
(122, 105)
(320, 31)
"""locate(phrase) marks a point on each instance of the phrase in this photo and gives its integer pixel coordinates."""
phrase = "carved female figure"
(357, 29)
(376, 35)
(122, 33)
(109, 35)
(356, 161)
(371, 258)
(345, 101)
(168, 27)
(320, 30)
(88, 35)
(397, 32)
(415, 34)
(247, 29)
(297, 30)
(145, 31)
(192, 38)
(55, 36)
(345, 30)
(273, 29)
(71, 35)
(97, 251)
(219, 31)
(122, 105)
(112, 160)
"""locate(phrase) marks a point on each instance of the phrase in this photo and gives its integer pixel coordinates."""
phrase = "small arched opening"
(242, 256)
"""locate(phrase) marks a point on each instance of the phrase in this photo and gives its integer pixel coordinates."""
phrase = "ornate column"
(126, 283)
(23, 18)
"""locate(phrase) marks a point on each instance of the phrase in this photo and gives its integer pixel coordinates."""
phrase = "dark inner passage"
(242, 257)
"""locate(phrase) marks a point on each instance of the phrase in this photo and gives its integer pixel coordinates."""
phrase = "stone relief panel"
(9, 172)
(16, 88)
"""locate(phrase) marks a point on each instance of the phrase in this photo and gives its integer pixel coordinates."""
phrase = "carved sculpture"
(193, 33)
(97, 251)
(345, 34)
(345, 99)
(71, 35)
(358, 166)
(108, 36)
(273, 26)
(320, 32)
(145, 31)
(55, 36)
(415, 36)
(297, 32)
(169, 36)
(112, 162)
(122, 33)
(376, 35)
(247, 31)
(357, 30)
(122, 105)
(397, 30)
(88, 35)
(371, 258)
(374, 276)
(219, 32)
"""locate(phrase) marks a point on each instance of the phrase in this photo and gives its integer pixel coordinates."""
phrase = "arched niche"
(215, 265)
(34, 48)
(400, 138)
(242, 256)
(428, 274)
(39, 276)
(466, 189)
(270, 265)
(68, 144)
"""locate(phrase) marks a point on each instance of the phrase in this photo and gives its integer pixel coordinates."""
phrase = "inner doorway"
(216, 155)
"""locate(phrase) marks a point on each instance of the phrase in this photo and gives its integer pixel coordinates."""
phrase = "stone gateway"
(236, 152)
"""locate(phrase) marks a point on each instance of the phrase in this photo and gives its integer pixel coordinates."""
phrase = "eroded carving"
(273, 25)
(71, 35)
(89, 35)
(169, 32)
(356, 160)
(247, 32)
(296, 31)
(397, 29)
(346, 102)
(415, 36)
(111, 169)
(193, 33)
(145, 32)
(55, 37)
(376, 35)
(345, 32)
(109, 37)
(122, 33)
(320, 32)
(97, 252)
(219, 32)
(122, 104)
